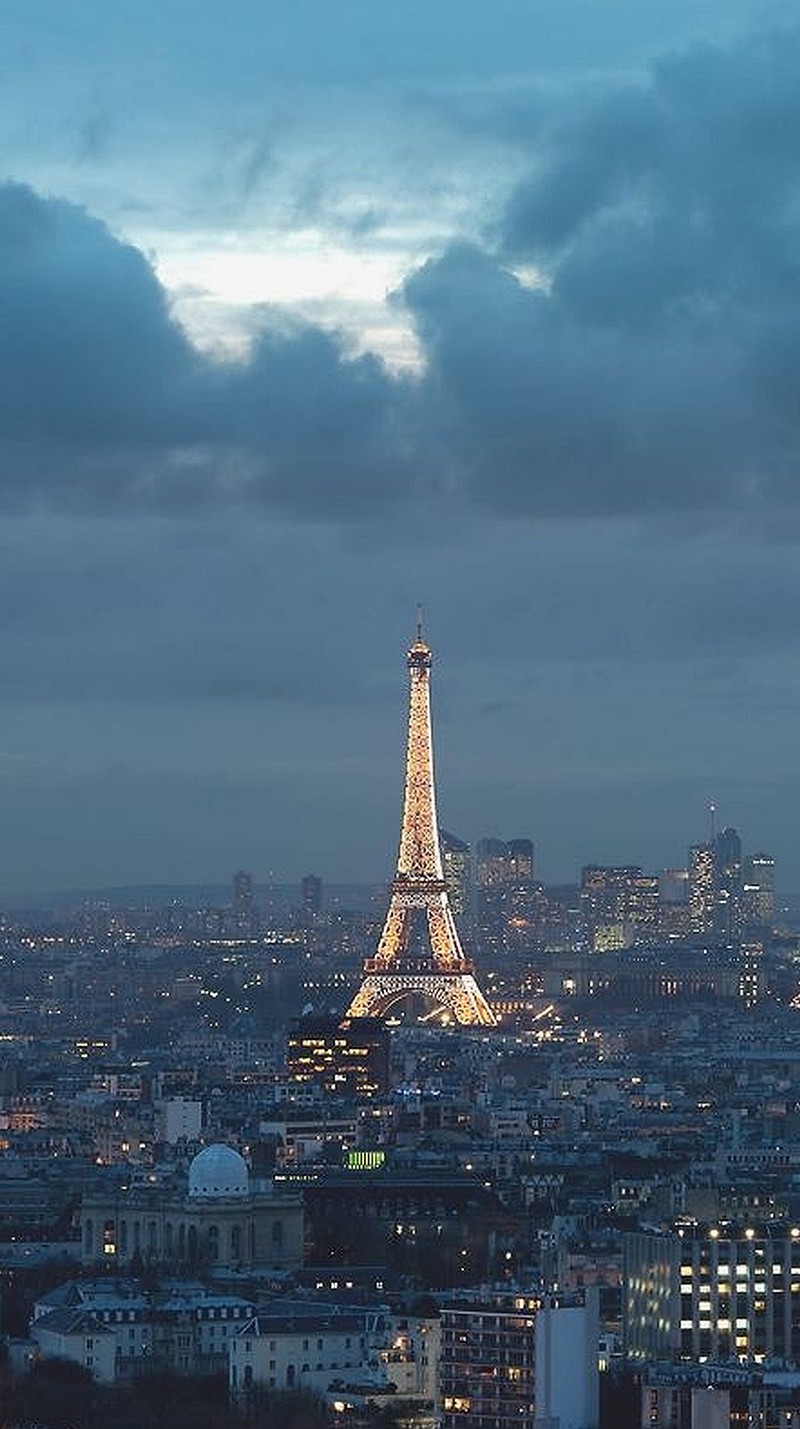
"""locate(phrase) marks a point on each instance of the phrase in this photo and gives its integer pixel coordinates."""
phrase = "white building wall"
(95, 1352)
(411, 1356)
(305, 1358)
(711, 1408)
(183, 1119)
(567, 1377)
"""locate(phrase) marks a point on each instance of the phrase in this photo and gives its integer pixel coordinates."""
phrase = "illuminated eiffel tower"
(419, 950)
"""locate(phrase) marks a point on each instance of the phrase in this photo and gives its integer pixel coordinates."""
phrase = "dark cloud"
(88, 353)
(708, 140)
(653, 372)
(656, 369)
(547, 415)
(326, 435)
(104, 398)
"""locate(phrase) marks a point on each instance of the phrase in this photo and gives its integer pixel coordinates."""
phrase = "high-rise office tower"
(244, 912)
(620, 906)
(505, 894)
(673, 893)
(728, 893)
(457, 868)
(759, 890)
(499, 863)
(702, 889)
(490, 863)
(311, 895)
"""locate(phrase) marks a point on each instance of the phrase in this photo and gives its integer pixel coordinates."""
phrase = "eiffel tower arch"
(419, 951)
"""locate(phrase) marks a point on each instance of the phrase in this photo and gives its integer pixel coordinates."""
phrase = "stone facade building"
(220, 1220)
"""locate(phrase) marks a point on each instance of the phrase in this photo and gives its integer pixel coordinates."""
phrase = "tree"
(57, 1393)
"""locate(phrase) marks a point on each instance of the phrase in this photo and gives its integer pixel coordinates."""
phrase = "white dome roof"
(218, 1171)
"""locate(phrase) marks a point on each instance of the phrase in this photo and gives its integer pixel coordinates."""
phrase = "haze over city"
(310, 314)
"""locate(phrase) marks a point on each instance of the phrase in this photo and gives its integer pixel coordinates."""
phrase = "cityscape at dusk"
(399, 612)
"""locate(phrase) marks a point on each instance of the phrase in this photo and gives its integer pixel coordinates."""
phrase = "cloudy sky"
(309, 313)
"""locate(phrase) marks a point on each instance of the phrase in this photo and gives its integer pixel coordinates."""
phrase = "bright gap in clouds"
(220, 284)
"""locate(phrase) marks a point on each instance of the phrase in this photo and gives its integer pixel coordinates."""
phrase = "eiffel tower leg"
(369, 999)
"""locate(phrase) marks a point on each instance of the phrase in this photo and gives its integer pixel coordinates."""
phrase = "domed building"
(218, 1171)
(220, 1220)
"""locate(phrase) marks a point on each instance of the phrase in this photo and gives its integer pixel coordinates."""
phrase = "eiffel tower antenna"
(438, 969)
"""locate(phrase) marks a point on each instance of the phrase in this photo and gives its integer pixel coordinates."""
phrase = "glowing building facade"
(714, 1293)
(345, 1056)
(702, 887)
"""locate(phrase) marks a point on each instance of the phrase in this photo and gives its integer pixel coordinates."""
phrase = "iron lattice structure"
(419, 949)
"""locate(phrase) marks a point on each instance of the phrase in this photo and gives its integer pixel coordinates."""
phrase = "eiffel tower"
(419, 949)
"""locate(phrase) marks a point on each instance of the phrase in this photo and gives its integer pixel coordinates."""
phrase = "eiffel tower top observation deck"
(419, 951)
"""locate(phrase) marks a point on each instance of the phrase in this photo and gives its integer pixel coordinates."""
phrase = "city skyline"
(304, 319)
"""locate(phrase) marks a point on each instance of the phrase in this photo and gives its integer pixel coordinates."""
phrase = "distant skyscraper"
(457, 869)
(702, 888)
(243, 903)
(500, 863)
(759, 889)
(674, 885)
(505, 892)
(728, 892)
(311, 894)
(673, 915)
(490, 863)
(620, 906)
